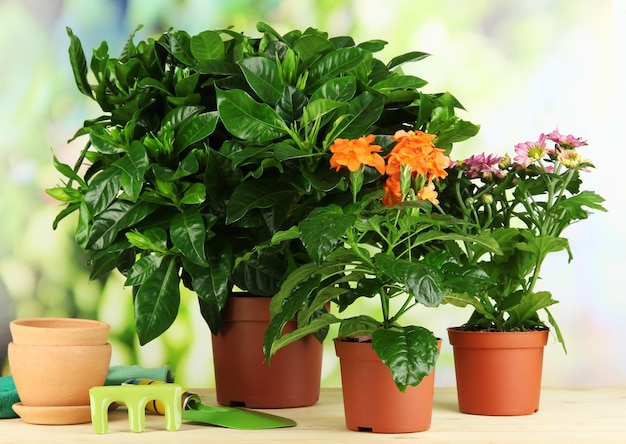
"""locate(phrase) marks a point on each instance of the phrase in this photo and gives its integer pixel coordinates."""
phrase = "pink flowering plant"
(525, 204)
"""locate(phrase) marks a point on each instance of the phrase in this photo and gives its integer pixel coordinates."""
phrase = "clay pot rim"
(73, 348)
(59, 331)
(497, 339)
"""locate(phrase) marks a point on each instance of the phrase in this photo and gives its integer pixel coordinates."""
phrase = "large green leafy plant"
(210, 144)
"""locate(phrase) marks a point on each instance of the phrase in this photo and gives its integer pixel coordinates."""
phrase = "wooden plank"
(589, 415)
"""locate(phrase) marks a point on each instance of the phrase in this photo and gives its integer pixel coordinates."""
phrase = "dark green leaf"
(180, 47)
(149, 82)
(188, 235)
(333, 65)
(284, 309)
(217, 68)
(317, 324)
(81, 234)
(180, 114)
(194, 129)
(207, 45)
(452, 130)
(410, 353)
(255, 194)
(79, 63)
(194, 195)
(364, 111)
(157, 302)
(142, 269)
(399, 82)
(186, 86)
(322, 230)
(134, 164)
(341, 89)
(405, 58)
(118, 216)
(104, 262)
(373, 45)
(358, 326)
(420, 281)
(103, 189)
(247, 119)
(102, 141)
(311, 47)
(68, 172)
(263, 77)
(319, 109)
(527, 308)
(291, 104)
(211, 282)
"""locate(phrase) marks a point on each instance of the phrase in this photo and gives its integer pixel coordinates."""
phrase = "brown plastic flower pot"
(498, 373)
(372, 401)
(242, 375)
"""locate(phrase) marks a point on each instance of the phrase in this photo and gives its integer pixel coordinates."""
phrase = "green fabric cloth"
(116, 376)
(8, 397)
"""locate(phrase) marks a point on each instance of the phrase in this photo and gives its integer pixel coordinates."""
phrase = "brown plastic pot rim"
(244, 307)
(497, 339)
(361, 350)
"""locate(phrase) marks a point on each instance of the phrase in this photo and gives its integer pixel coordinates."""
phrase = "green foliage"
(393, 253)
(210, 144)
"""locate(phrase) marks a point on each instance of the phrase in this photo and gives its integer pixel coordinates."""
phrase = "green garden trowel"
(231, 417)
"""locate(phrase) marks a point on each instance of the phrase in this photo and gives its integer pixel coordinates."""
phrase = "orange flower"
(392, 190)
(416, 149)
(354, 153)
(428, 193)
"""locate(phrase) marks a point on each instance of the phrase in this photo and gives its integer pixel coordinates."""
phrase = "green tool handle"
(188, 399)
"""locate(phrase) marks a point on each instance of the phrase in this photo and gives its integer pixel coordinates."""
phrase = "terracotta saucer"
(73, 414)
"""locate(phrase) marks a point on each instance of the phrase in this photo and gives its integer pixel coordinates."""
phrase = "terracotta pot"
(242, 375)
(372, 401)
(498, 373)
(59, 331)
(47, 375)
(54, 362)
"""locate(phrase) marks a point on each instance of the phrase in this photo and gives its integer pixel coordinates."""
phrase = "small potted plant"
(209, 145)
(525, 204)
(384, 245)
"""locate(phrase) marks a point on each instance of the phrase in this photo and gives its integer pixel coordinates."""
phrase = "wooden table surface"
(589, 415)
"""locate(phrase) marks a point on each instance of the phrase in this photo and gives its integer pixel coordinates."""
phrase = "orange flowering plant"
(384, 244)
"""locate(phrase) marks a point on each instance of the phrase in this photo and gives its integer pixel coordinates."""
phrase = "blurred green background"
(519, 67)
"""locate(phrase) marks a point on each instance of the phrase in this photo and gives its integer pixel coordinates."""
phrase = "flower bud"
(487, 176)
(487, 199)
(505, 162)
(470, 201)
